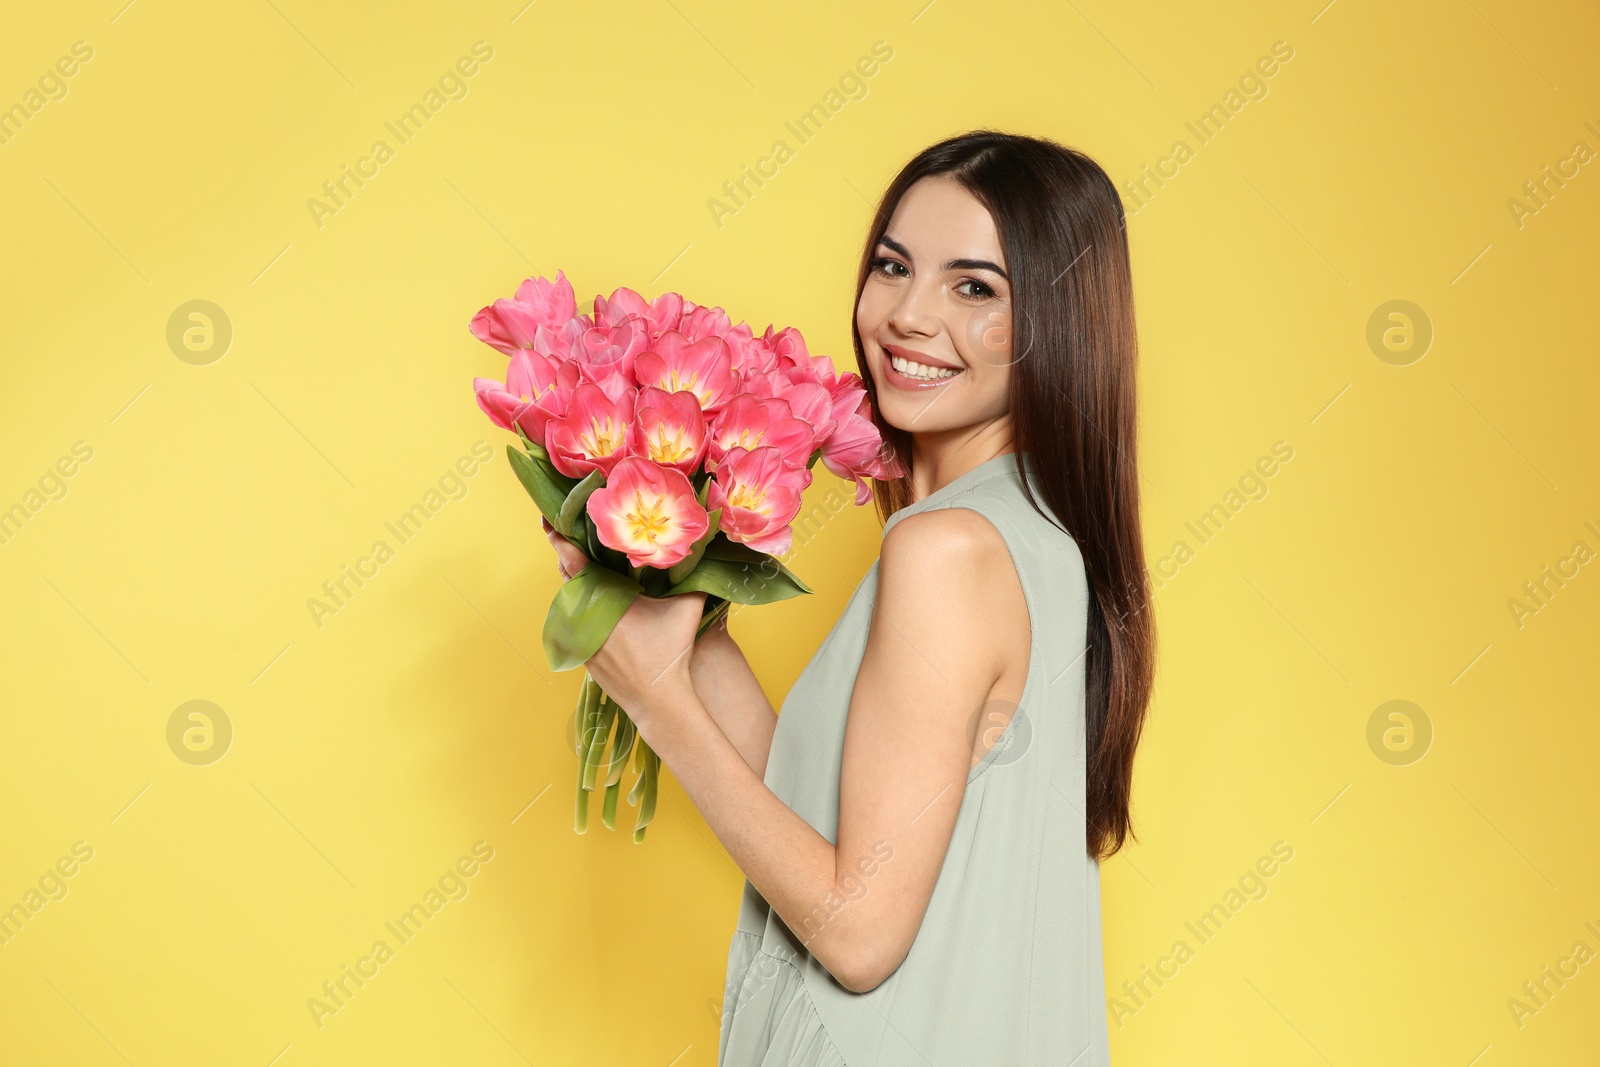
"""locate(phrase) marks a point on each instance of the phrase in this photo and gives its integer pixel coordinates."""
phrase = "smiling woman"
(921, 826)
(981, 942)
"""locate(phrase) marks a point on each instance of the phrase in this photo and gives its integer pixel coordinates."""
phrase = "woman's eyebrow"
(954, 264)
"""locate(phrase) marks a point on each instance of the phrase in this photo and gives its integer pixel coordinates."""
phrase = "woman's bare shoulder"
(952, 534)
(951, 563)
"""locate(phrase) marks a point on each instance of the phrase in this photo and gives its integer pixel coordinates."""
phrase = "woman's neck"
(937, 459)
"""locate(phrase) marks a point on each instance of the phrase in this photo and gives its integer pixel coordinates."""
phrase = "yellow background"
(372, 752)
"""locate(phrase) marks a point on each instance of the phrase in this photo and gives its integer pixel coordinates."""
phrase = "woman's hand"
(644, 663)
(732, 694)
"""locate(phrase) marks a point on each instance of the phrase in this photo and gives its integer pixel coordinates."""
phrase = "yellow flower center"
(747, 496)
(675, 384)
(602, 439)
(649, 521)
(669, 449)
(745, 438)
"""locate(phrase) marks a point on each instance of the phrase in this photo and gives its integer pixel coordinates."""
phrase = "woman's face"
(938, 296)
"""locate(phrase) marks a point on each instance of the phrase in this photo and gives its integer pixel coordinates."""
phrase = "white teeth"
(921, 370)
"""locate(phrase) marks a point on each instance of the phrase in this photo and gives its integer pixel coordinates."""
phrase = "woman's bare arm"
(729, 690)
(935, 653)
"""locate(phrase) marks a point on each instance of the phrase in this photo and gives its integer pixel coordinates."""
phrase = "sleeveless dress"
(1006, 966)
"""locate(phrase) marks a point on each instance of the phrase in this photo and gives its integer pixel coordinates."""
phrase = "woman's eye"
(883, 265)
(984, 291)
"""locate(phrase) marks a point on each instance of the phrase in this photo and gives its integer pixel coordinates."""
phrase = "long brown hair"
(1062, 229)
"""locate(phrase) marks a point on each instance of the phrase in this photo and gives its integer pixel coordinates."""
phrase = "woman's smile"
(906, 368)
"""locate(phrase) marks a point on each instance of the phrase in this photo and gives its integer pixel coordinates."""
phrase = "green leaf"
(572, 509)
(598, 549)
(655, 581)
(740, 582)
(584, 612)
(681, 570)
(565, 484)
(728, 549)
(546, 493)
(534, 447)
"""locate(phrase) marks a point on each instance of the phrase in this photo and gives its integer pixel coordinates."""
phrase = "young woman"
(921, 828)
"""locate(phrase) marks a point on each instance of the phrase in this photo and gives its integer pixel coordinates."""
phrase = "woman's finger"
(570, 559)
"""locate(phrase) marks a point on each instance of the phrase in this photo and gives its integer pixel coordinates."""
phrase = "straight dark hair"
(1062, 228)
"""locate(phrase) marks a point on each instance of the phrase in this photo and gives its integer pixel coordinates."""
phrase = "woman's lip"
(901, 381)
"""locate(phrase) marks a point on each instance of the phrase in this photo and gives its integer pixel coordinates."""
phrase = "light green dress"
(1006, 966)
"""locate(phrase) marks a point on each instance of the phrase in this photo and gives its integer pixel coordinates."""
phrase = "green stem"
(583, 715)
(710, 618)
(601, 732)
(580, 821)
(647, 804)
(608, 811)
(639, 783)
(621, 746)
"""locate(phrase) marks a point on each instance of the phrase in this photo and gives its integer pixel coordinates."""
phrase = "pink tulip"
(849, 396)
(855, 450)
(668, 428)
(607, 353)
(537, 389)
(808, 400)
(512, 324)
(790, 347)
(593, 433)
(759, 495)
(810, 403)
(748, 422)
(703, 367)
(649, 512)
(663, 313)
(699, 323)
(753, 356)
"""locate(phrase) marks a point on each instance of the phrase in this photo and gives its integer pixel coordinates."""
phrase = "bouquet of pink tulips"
(672, 446)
